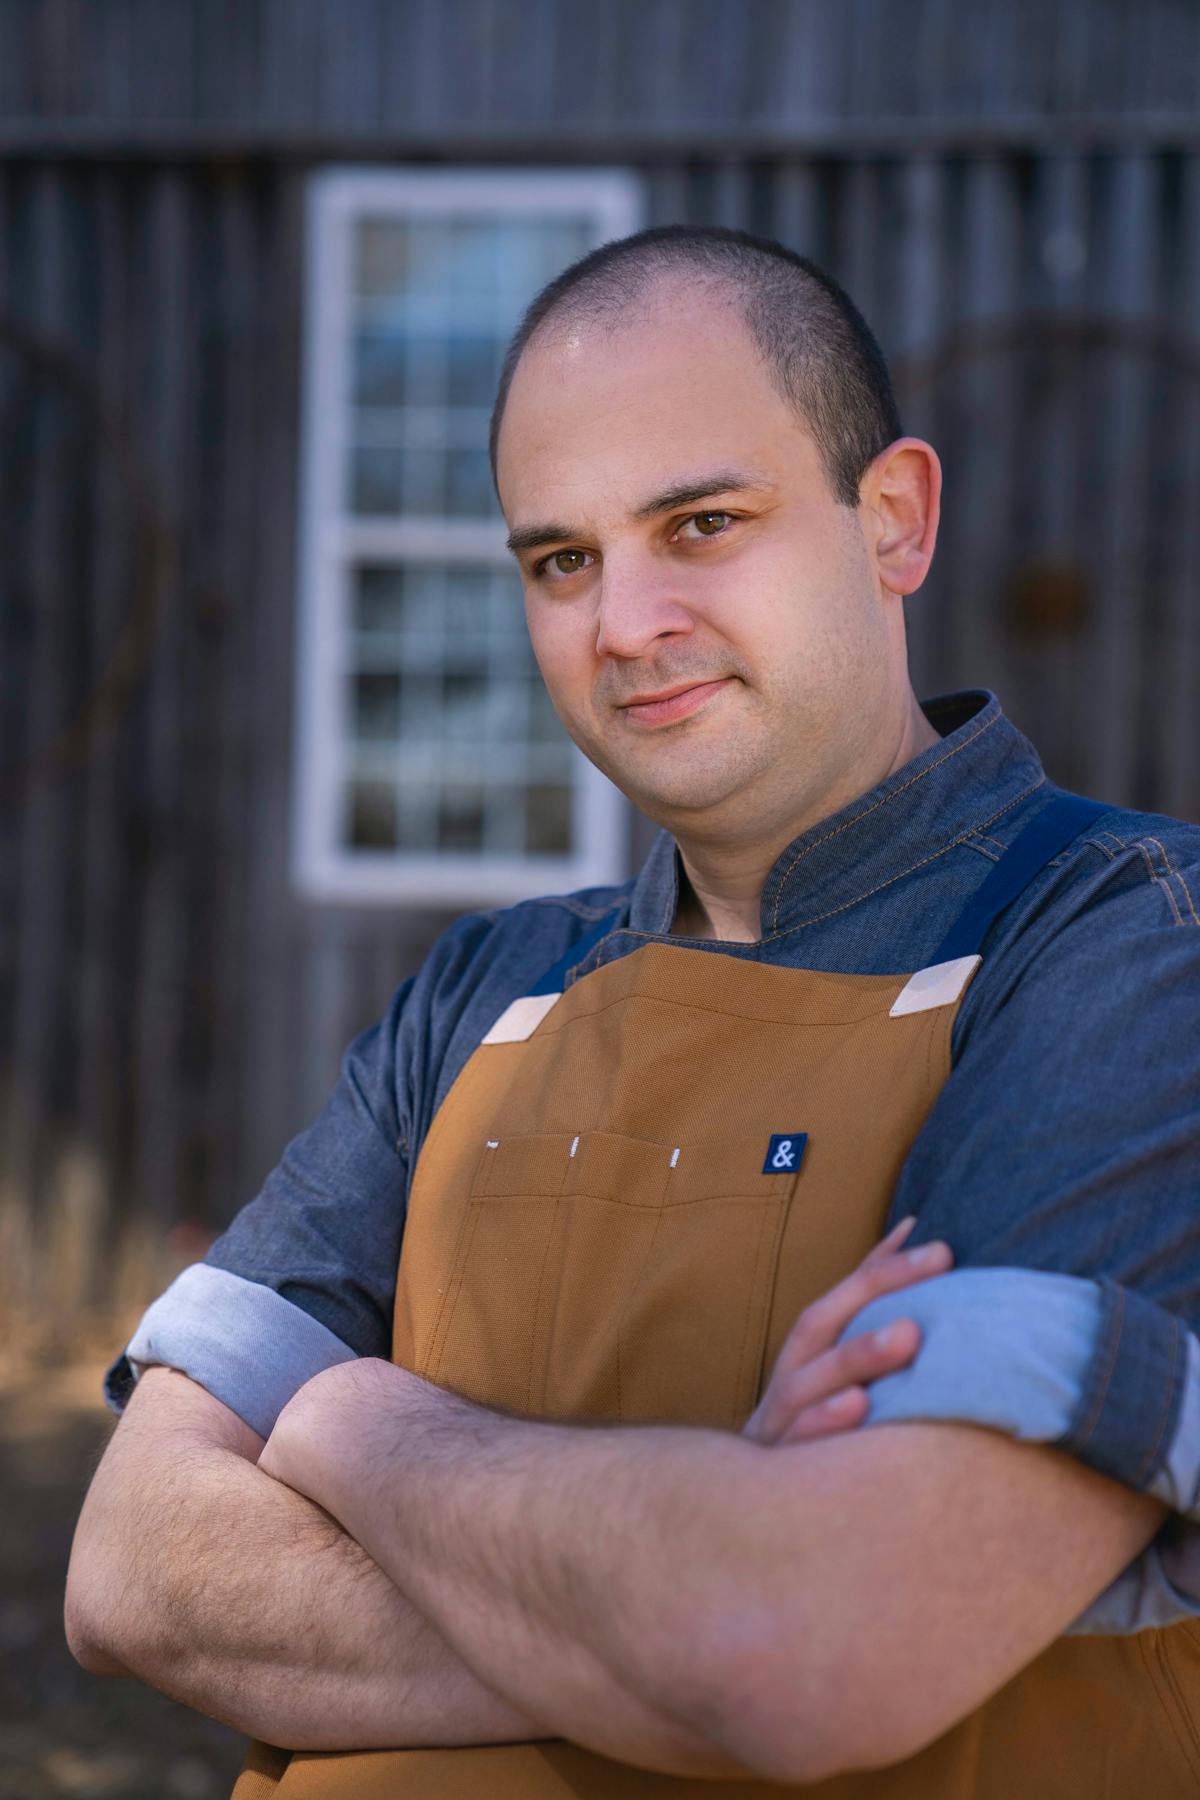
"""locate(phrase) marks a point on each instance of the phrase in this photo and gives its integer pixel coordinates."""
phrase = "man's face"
(707, 618)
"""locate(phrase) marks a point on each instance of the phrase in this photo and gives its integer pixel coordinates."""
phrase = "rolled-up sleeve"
(1061, 1162)
(304, 1276)
(1036, 1347)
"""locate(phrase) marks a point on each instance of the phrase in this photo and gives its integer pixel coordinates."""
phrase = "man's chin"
(683, 783)
(689, 796)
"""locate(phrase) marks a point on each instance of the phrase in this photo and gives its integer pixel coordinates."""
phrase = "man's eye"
(703, 522)
(558, 558)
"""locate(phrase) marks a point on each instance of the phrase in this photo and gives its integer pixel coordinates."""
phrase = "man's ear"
(901, 495)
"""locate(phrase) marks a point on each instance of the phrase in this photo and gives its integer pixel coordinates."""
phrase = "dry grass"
(62, 1731)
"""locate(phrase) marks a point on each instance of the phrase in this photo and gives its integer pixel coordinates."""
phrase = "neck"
(724, 873)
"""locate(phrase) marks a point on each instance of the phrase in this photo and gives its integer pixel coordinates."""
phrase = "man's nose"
(639, 602)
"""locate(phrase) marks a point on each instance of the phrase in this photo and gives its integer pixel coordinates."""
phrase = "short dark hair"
(818, 349)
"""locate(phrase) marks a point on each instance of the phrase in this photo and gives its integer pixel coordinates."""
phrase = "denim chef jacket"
(1061, 1160)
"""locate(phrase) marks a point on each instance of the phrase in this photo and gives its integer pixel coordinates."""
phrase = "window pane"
(420, 707)
(469, 489)
(379, 599)
(548, 821)
(454, 742)
(372, 816)
(384, 257)
(379, 369)
(472, 370)
(436, 300)
(393, 481)
(545, 727)
(376, 706)
(460, 818)
(466, 606)
(463, 713)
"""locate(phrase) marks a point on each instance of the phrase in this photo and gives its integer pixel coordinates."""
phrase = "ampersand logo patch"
(784, 1152)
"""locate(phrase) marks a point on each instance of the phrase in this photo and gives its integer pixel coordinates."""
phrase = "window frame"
(332, 541)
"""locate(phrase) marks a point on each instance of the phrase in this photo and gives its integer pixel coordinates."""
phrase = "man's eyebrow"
(681, 493)
(722, 481)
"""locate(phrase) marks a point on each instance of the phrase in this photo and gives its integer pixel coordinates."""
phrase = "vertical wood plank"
(797, 209)
(1176, 668)
(974, 557)
(104, 961)
(275, 1050)
(1049, 447)
(165, 396)
(1127, 284)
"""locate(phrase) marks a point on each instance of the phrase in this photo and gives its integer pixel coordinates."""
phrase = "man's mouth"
(671, 703)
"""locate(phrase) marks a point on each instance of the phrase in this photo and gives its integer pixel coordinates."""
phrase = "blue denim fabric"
(1063, 1153)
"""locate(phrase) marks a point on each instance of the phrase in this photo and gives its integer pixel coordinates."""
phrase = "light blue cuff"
(1012, 1349)
(1009, 1348)
(242, 1341)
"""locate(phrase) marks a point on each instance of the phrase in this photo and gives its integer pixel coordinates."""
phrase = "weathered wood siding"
(446, 76)
(1020, 223)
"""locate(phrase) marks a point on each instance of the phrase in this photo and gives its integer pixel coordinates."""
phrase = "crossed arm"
(697, 1602)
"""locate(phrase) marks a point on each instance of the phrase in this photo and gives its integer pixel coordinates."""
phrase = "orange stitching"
(1164, 1652)
(953, 844)
(1103, 1383)
(1159, 882)
(1176, 875)
(979, 840)
(1152, 1454)
(883, 801)
(536, 1308)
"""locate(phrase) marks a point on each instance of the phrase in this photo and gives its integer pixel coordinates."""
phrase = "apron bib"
(630, 1192)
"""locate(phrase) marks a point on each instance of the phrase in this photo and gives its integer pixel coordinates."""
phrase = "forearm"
(636, 1578)
(246, 1601)
(544, 1555)
(695, 1601)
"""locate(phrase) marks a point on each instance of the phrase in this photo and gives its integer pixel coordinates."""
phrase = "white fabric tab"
(937, 985)
(521, 1019)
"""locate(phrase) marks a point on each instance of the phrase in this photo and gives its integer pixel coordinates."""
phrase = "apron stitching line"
(438, 1334)
(1159, 1680)
(537, 1305)
(1180, 1701)
(467, 1232)
(741, 1374)
(658, 1210)
(721, 1012)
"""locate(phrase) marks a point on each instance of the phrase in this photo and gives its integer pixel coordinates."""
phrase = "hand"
(815, 1387)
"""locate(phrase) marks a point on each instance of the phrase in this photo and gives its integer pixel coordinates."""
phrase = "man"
(875, 967)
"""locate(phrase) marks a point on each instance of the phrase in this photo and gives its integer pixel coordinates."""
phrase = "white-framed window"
(430, 765)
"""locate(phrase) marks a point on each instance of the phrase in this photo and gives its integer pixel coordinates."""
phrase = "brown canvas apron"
(627, 1197)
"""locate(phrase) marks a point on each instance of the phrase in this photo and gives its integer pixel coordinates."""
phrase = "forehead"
(601, 409)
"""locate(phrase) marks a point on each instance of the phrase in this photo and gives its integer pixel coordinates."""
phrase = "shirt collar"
(980, 768)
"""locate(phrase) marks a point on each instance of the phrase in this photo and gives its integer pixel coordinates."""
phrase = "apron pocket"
(606, 1277)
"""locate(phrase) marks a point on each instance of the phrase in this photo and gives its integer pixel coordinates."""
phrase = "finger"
(841, 1412)
(820, 1325)
(861, 1359)
(890, 1244)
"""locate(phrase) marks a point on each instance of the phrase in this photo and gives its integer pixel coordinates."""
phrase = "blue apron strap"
(1054, 827)
(555, 978)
